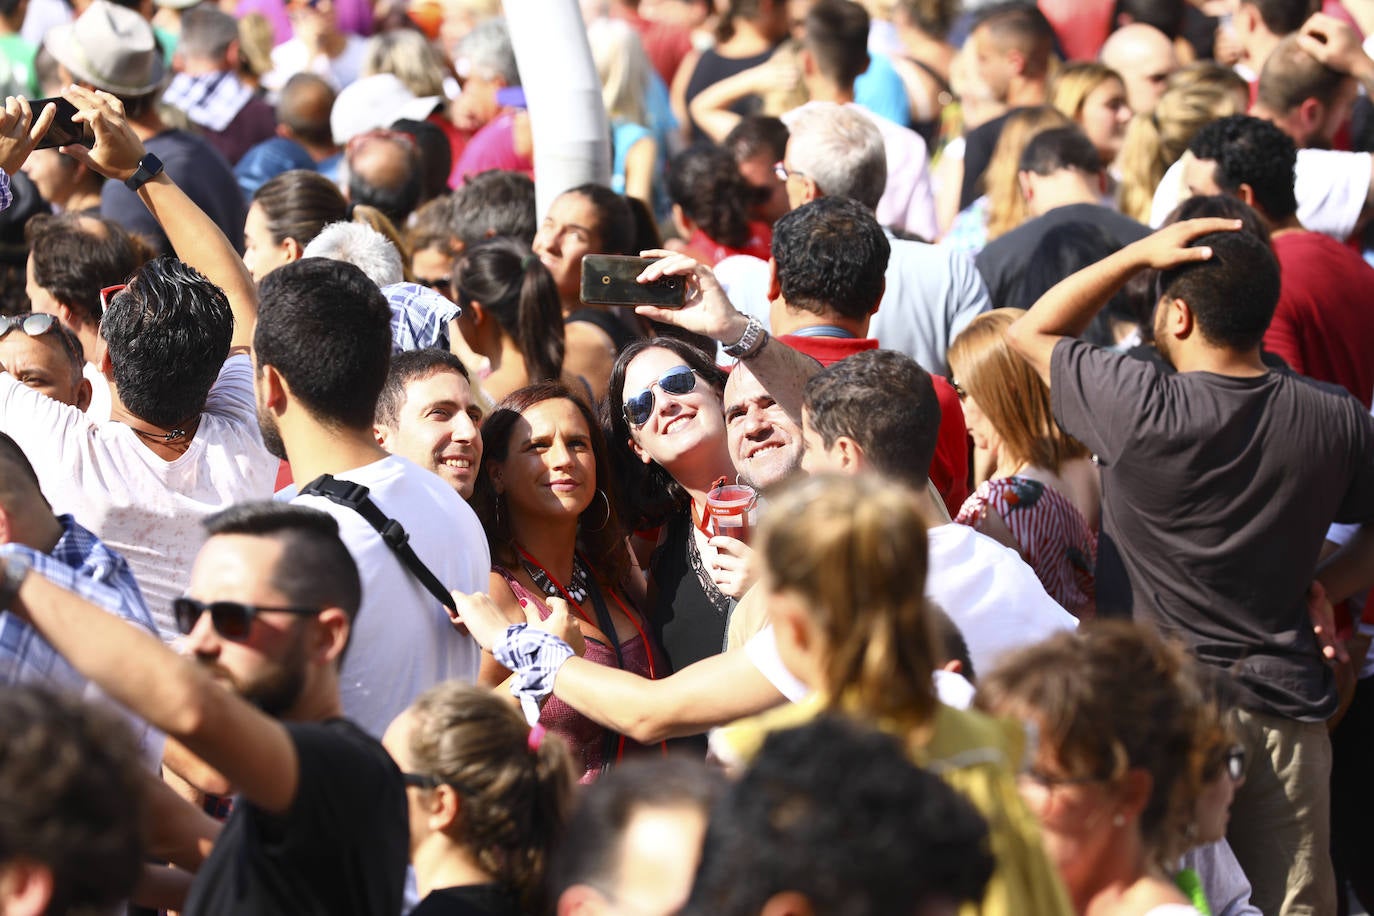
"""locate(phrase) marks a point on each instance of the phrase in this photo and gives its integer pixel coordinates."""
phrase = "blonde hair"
(1073, 83)
(1007, 208)
(1010, 393)
(409, 56)
(514, 797)
(622, 66)
(854, 548)
(1156, 141)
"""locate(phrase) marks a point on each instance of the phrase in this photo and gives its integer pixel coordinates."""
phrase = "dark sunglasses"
(231, 619)
(678, 380)
(440, 285)
(32, 324)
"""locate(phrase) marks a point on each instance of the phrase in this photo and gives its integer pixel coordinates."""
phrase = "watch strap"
(750, 342)
(149, 167)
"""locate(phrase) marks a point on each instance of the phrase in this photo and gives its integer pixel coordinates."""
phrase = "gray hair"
(363, 247)
(841, 150)
(487, 49)
(207, 33)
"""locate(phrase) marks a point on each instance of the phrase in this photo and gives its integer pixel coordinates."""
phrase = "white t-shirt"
(403, 642)
(989, 592)
(98, 411)
(1331, 187)
(140, 505)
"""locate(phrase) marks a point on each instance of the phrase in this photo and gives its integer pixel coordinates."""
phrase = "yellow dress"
(978, 756)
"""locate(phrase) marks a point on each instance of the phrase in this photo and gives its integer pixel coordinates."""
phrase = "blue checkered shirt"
(80, 563)
(419, 317)
(6, 195)
(211, 100)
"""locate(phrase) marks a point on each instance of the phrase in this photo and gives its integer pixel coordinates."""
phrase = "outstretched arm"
(254, 752)
(782, 370)
(195, 238)
(1067, 309)
(711, 692)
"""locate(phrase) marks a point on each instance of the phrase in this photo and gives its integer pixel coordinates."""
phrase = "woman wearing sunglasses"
(545, 496)
(668, 437)
(1113, 783)
(486, 796)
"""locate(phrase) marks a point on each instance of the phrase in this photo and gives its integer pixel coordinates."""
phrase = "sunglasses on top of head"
(231, 619)
(678, 380)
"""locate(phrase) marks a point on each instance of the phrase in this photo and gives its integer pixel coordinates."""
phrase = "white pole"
(572, 140)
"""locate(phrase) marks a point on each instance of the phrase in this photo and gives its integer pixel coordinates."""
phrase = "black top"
(1002, 263)
(711, 69)
(468, 900)
(341, 849)
(978, 147)
(691, 614)
(1217, 492)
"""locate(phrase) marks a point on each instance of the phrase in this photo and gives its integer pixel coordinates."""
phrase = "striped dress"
(1053, 536)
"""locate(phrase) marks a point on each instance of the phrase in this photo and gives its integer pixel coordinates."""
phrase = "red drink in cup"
(734, 510)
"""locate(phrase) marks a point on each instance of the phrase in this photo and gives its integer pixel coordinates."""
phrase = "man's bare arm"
(1069, 306)
(781, 370)
(195, 238)
(252, 750)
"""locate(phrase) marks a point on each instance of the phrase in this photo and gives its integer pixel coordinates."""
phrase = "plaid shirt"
(80, 563)
(211, 100)
(6, 195)
(419, 317)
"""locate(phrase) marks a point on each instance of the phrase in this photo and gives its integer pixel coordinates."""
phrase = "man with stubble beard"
(268, 615)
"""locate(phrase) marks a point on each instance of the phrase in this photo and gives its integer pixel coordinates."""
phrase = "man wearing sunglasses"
(267, 618)
(41, 353)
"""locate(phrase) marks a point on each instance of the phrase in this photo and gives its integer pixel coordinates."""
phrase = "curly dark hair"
(1254, 152)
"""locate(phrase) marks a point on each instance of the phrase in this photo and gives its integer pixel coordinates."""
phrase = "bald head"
(1144, 56)
(384, 172)
(303, 109)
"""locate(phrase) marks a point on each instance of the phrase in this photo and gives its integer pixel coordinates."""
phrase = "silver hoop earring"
(607, 519)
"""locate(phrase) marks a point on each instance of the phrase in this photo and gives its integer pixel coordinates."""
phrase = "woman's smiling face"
(677, 424)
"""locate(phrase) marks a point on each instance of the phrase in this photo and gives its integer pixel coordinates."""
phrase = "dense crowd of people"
(984, 531)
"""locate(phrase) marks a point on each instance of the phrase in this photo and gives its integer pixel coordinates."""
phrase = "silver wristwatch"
(750, 343)
(13, 569)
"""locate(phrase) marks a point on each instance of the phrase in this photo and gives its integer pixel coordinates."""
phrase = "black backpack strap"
(354, 496)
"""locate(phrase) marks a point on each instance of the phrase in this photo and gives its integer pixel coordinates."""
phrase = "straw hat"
(111, 48)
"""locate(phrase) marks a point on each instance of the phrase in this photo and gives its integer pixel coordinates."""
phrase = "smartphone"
(64, 131)
(609, 279)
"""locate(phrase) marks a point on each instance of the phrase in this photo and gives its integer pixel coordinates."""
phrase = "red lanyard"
(705, 519)
(648, 649)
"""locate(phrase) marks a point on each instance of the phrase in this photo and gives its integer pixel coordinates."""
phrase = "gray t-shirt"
(1217, 493)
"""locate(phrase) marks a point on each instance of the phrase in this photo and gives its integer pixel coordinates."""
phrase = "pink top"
(586, 738)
